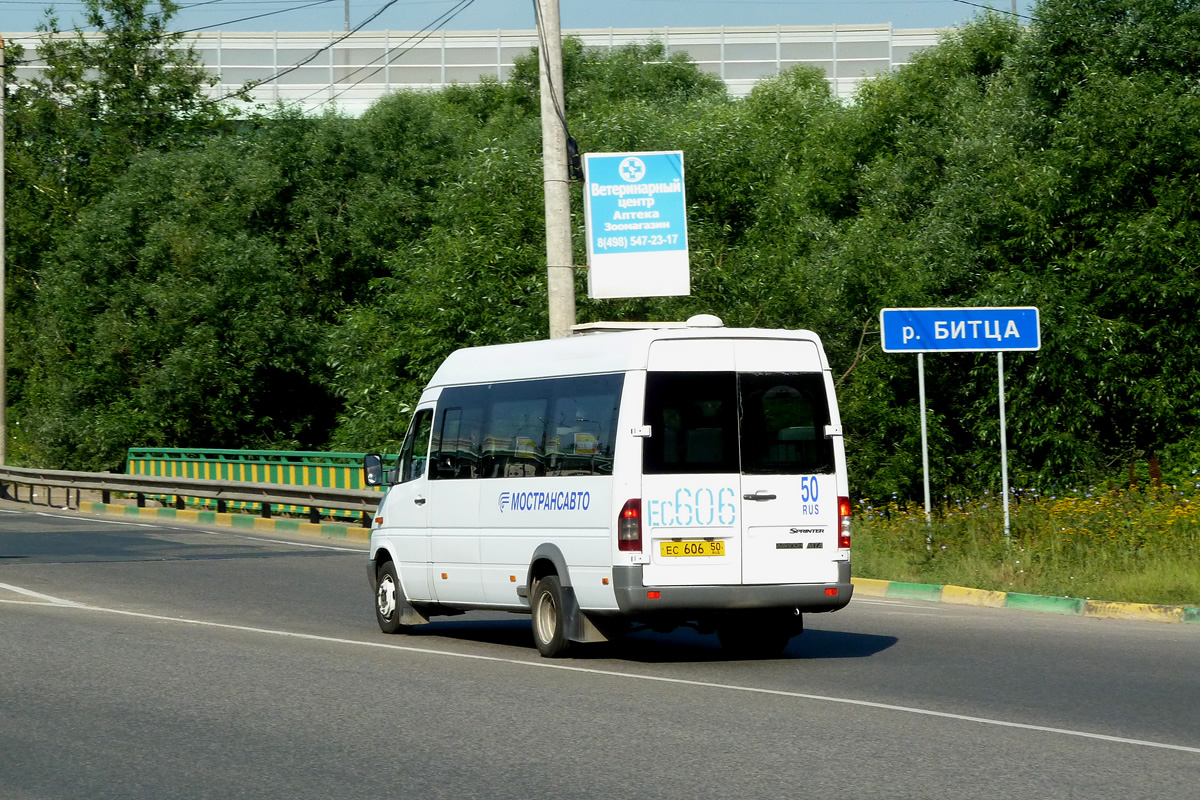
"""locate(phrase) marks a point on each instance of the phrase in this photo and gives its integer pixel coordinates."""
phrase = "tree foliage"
(295, 281)
(102, 101)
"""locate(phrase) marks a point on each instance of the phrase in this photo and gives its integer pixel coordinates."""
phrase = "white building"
(322, 70)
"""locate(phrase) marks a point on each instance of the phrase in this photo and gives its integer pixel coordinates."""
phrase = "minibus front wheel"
(388, 600)
(549, 617)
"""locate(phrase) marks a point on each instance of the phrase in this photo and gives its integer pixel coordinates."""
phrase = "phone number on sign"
(651, 240)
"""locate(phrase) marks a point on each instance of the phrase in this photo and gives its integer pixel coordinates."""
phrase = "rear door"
(690, 482)
(788, 483)
(738, 481)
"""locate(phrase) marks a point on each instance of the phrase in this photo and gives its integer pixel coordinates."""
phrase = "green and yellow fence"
(288, 467)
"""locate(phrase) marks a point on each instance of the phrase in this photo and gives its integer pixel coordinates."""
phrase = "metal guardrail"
(266, 494)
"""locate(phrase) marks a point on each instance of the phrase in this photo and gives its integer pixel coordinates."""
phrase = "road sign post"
(924, 438)
(962, 330)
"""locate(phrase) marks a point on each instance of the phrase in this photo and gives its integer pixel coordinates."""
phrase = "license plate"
(679, 549)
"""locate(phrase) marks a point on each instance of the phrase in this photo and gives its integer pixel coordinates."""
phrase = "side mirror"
(373, 469)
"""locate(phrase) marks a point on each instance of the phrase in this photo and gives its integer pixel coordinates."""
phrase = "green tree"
(101, 101)
(476, 274)
(1053, 165)
(170, 315)
(1044, 167)
(188, 306)
(1111, 172)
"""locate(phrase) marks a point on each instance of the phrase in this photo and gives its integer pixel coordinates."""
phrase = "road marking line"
(25, 603)
(614, 674)
(103, 521)
(45, 598)
(359, 550)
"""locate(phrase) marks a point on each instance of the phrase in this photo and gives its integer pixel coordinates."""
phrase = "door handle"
(759, 495)
(419, 501)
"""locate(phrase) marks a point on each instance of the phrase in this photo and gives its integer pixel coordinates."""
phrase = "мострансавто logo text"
(545, 501)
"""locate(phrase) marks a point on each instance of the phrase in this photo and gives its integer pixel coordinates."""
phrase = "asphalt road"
(158, 661)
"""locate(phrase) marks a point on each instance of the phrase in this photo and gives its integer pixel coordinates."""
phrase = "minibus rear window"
(726, 422)
(693, 423)
(783, 423)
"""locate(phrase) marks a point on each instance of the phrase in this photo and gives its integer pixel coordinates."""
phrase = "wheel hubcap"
(387, 597)
(547, 620)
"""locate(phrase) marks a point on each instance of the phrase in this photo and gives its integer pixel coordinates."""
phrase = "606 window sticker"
(694, 508)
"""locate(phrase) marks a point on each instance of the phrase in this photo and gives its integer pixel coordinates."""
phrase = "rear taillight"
(843, 523)
(629, 526)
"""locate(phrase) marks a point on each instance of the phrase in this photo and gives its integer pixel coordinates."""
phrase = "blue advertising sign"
(960, 330)
(636, 218)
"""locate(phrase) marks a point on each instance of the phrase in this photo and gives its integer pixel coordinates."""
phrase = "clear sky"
(413, 15)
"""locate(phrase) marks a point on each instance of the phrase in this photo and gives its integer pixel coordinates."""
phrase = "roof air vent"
(705, 321)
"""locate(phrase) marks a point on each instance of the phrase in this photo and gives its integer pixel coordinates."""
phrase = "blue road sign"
(960, 330)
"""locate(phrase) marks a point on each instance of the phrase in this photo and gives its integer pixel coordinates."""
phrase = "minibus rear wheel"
(549, 623)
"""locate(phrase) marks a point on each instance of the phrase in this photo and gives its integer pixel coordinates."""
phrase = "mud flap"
(579, 627)
(409, 615)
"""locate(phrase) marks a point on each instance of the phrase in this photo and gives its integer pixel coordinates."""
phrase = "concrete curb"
(243, 521)
(961, 595)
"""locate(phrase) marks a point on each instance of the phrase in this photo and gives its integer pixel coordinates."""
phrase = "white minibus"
(688, 474)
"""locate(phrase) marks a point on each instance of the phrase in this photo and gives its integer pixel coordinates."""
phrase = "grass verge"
(1120, 544)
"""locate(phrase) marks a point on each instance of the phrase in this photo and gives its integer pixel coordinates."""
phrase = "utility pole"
(3, 303)
(560, 260)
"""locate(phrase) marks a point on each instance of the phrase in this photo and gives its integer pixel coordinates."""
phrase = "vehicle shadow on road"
(685, 646)
(679, 646)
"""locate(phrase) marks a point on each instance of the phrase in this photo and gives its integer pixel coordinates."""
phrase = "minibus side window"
(583, 421)
(514, 434)
(693, 422)
(526, 429)
(414, 456)
(783, 419)
(458, 434)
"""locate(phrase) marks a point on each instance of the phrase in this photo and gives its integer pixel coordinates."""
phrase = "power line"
(438, 23)
(1013, 14)
(253, 84)
(562, 116)
(210, 2)
(574, 163)
(168, 35)
(255, 16)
